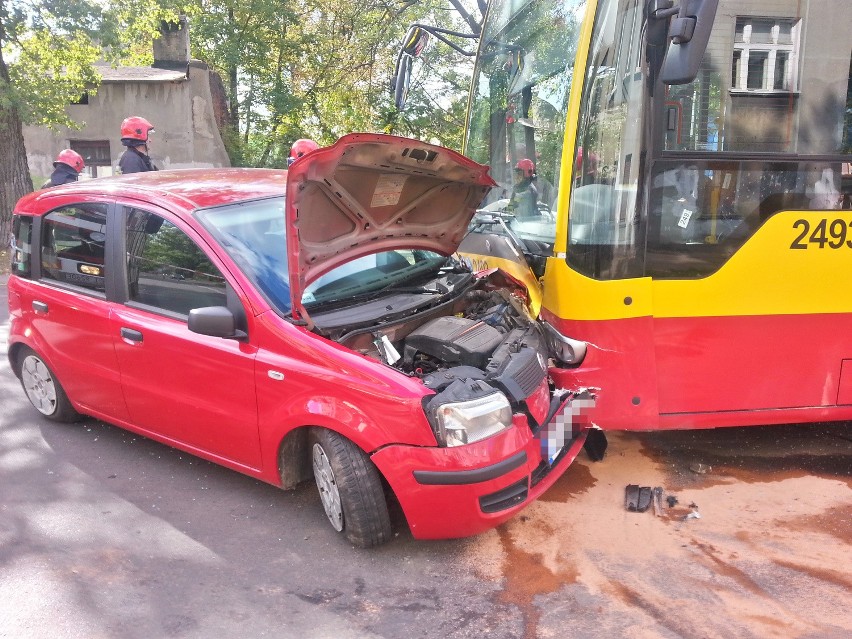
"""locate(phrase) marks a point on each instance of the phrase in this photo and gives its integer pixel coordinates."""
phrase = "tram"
(675, 182)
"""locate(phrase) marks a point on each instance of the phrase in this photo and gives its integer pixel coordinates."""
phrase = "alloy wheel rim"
(39, 385)
(327, 486)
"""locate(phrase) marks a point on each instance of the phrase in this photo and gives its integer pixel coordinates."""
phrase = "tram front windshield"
(518, 107)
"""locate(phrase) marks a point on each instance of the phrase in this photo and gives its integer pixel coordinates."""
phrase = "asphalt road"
(104, 534)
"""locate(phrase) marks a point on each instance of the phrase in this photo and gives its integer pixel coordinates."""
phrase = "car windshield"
(253, 234)
(373, 274)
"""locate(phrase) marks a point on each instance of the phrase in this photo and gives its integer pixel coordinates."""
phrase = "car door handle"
(39, 307)
(130, 335)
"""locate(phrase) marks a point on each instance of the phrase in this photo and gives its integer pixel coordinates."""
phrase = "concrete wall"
(182, 112)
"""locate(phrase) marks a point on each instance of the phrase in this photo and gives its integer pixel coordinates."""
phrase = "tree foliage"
(322, 68)
(304, 68)
(50, 49)
(47, 52)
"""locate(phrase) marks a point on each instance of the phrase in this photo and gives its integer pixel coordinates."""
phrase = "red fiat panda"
(328, 332)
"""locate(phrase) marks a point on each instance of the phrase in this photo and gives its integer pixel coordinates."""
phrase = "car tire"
(350, 489)
(43, 389)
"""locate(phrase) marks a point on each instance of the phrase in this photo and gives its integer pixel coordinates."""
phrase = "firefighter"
(134, 135)
(300, 148)
(524, 200)
(66, 168)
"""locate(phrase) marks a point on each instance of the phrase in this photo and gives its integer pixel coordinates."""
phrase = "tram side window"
(701, 212)
(778, 84)
(765, 127)
(605, 233)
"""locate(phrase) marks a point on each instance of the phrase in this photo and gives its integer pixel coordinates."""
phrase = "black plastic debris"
(671, 500)
(595, 445)
(637, 498)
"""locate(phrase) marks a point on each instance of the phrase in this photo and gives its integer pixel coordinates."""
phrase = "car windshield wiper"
(398, 285)
(343, 299)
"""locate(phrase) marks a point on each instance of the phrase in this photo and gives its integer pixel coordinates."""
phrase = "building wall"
(182, 112)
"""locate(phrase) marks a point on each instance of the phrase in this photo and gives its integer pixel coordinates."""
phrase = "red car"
(327, 333)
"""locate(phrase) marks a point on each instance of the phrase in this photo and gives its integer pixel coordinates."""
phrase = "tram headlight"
(565, 349)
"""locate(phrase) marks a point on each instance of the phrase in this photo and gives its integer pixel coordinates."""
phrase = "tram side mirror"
(415, 42)
(412, 47)
(688, 35)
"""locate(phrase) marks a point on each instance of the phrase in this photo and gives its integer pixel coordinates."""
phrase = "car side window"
(72, 245)
(166, 269)
(22, 228)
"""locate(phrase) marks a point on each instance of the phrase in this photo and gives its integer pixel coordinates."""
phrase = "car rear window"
(72, 245)
(22, 245)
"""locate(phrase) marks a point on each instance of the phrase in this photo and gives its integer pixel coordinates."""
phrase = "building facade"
(183, 98)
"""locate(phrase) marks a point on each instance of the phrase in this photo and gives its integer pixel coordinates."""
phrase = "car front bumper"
(464, 490)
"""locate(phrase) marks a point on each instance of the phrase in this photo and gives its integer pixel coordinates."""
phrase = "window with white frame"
(765, 54)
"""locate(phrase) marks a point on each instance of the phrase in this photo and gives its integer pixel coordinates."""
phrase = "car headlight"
(465, 422)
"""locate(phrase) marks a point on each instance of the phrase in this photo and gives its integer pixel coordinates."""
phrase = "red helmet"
(526, 167)
(300, 148)
(135, 130)
(71, 158)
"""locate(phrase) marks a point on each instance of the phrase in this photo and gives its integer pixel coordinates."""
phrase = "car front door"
(195, 390)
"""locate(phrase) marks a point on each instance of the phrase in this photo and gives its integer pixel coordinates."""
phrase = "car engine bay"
(477, 335)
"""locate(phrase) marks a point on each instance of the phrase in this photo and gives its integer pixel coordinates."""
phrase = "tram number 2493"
(826, 233)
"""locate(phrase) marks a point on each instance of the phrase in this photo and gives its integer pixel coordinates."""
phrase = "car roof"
(195, 188)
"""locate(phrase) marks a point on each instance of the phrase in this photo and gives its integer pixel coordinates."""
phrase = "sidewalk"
(5, 265)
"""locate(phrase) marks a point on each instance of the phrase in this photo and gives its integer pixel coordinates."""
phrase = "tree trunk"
(233, 83)
(15, 180)
(233, 98)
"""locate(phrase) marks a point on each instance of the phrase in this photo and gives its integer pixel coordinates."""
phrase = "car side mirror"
(216, 321)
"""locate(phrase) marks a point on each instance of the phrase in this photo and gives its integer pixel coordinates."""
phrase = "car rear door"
(64, 305)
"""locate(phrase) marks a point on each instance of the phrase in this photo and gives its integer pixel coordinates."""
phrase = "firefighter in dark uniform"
(134, 135)
(66, 168)
(524, 200)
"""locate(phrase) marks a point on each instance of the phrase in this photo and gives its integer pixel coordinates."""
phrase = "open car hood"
(369, 193)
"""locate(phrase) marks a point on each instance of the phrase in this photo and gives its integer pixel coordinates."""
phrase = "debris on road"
(671, 500)
(658, 501)
(700, 469)
(637, 498)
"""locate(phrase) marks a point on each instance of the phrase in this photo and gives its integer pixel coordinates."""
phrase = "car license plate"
(560, 431)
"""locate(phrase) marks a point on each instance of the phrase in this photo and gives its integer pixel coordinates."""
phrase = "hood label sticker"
(388, 190)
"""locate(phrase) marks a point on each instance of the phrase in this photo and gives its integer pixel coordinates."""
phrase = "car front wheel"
(43, 389)
(350, 488)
